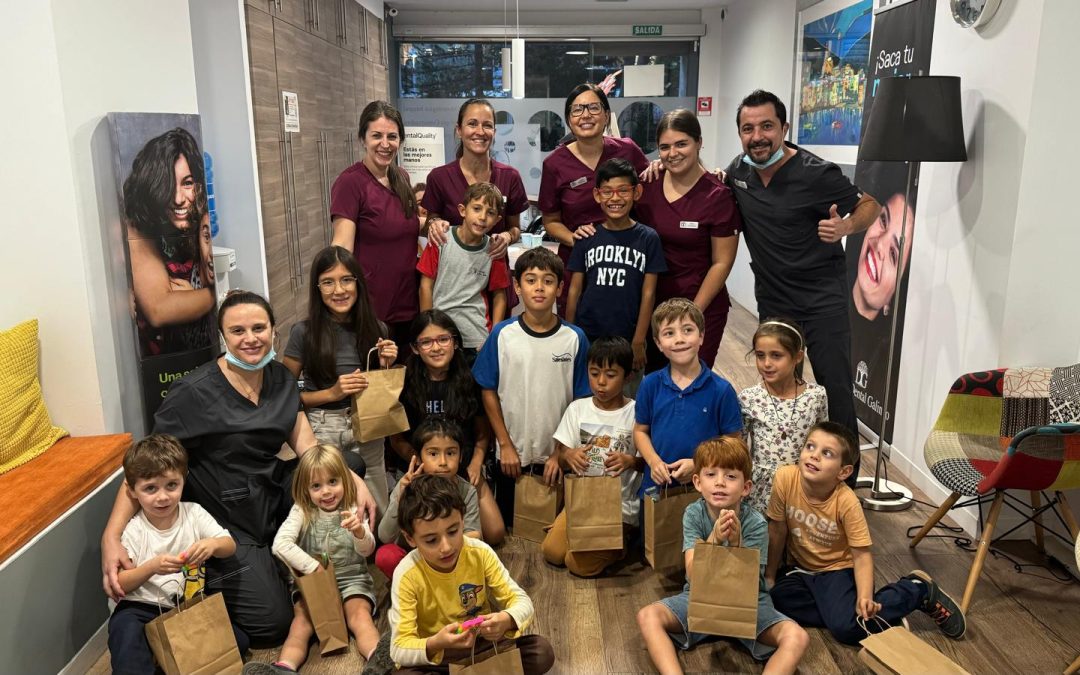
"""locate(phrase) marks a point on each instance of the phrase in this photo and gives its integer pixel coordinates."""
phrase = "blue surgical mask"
(244, 365)
(767, 163)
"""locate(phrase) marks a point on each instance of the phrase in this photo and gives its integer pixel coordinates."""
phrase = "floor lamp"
(913, 119)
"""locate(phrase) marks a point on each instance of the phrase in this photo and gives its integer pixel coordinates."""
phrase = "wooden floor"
(1018, 623)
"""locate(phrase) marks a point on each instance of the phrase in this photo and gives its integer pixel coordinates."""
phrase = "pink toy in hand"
(470, 624)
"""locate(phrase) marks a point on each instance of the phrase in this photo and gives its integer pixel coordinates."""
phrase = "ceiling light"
(576, 52)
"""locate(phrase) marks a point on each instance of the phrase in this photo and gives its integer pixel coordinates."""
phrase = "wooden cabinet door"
(325, 19)
(355, 37)
(270, 160)
(298, 13)
(375, 38)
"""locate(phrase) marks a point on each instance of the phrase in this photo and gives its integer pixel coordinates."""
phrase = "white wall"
(76, 62)
(44, 268)
(752, 48)
(220, 52)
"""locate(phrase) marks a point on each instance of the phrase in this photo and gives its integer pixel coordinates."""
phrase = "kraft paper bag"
(593, 513)
(663, 525)
(376, 411)
(320, 592)
(535, 507)
(724, 591)
(491, 662)
(195, 638)
(897, 651)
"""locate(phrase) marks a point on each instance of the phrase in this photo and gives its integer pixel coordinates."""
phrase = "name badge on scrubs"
(579, 181)
(688, 224)
(740, 183)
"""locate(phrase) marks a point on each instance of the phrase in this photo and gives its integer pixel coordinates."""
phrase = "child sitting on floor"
(596, 438)
(439, 443)
(831, 584)
(323, 522)
(449, 579)
(721, 470)
(168, 540)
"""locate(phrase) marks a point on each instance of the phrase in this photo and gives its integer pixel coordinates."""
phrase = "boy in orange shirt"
(820, 520)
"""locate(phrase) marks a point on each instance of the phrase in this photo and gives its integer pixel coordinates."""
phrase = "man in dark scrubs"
(796, 207)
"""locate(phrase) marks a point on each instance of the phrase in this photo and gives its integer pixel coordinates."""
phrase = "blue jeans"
(827, 600)
(129, 652)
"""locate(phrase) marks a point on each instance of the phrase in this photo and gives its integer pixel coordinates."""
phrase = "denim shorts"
(767, 617)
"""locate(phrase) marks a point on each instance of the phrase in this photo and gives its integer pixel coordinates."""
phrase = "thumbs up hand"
(834, 228)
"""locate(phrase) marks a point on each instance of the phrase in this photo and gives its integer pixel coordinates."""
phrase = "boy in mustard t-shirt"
(449, 579)
(831, 582)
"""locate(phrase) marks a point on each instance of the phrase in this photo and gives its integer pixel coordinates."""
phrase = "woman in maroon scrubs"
(569, 174)
(697, 220)
(374, 214)
(446, 185)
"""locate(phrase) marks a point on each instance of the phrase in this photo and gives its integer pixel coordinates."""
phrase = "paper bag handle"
(881, 623)
(178, 596)
(472, 655)
(367, 361)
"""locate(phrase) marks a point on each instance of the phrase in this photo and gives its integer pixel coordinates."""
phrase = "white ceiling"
(548, 5)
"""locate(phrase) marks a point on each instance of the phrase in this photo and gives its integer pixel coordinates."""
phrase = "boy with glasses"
(613, 287)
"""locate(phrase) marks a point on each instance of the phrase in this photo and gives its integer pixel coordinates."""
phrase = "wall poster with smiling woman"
(158, 164)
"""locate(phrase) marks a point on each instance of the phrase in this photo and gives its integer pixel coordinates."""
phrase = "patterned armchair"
(1007, 429)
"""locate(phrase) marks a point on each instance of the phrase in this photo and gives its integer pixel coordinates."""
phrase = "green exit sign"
(649, 30)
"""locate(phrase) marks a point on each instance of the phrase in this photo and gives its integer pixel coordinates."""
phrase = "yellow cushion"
(25, 428)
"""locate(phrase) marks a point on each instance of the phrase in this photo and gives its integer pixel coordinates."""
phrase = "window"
(466, 69)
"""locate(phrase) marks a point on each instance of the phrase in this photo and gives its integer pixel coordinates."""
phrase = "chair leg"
(1036, 504)
(984, 546)
(1074, 667)
(1067, 514)
(934, 518)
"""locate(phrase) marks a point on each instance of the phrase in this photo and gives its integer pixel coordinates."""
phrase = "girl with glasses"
(438, 382)
(569, 173)
(328, 351)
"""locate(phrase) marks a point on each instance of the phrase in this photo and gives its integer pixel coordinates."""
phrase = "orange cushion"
(35, 494)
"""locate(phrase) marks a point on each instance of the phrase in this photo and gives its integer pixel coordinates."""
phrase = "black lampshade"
(915, 119)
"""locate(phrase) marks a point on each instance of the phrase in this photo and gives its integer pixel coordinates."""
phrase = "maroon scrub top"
(566, 186)
(446, 186)
(385, 243)
(686, 228)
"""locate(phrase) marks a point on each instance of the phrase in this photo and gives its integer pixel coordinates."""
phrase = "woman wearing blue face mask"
(232, 415)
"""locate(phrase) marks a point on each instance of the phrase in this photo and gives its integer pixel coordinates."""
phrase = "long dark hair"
(461, 118)
(320, 348)
(461, 403)
(398, 182)
(150, 189)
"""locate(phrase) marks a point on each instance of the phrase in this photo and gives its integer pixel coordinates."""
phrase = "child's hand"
(578, 458)
(552, 471)
(476, 469)
(617, 462)
(639, 355)
(387, 353)
(449, 638)
(509, 461)
(682, 469)
(726, 529)
(349, 384)
(415, 469)
(659, 471)
(198, 553)
(166, 564)
(867, 608)
(495, 626)
(354, 525)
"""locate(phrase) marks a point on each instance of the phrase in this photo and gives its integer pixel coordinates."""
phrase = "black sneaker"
(945, 612)
(380, 662)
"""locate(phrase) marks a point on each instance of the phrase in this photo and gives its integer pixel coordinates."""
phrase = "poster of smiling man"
(158, 165)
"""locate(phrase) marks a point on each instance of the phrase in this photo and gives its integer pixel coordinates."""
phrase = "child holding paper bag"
(595, 438)
(721, 468)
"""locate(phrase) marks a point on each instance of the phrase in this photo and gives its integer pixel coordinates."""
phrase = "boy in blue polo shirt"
(684, 404)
